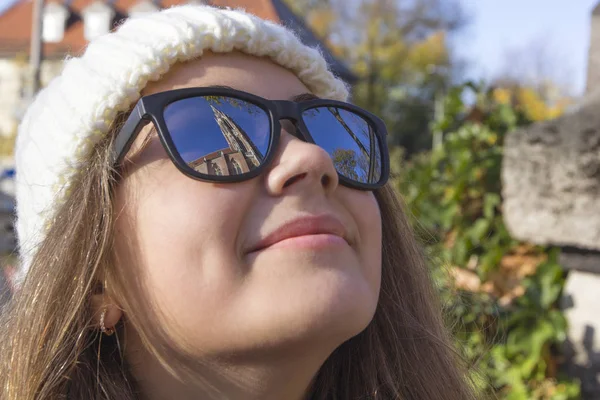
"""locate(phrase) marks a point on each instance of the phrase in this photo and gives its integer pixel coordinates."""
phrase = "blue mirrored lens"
(350, 141)
(217, 135)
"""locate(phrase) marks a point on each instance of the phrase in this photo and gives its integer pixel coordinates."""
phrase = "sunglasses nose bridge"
(287, 110)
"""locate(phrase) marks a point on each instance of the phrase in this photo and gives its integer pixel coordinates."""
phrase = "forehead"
(259, 76)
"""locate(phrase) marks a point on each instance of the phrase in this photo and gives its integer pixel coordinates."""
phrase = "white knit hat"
(75, 111)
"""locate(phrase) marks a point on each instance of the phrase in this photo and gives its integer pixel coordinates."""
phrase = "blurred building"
(551, 190)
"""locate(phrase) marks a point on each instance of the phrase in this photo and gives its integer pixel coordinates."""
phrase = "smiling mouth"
(311, 241)
(314, 232)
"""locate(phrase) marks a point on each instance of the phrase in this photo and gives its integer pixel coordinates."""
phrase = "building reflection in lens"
(239, 157)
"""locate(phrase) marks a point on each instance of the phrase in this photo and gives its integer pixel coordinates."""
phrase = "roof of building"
(596, 10)
(16, 22)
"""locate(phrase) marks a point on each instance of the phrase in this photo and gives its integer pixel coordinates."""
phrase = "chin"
(324, 309)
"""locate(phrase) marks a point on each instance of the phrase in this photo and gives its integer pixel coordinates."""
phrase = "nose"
(299, 165)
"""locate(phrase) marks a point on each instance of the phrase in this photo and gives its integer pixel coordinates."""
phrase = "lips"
(311, 225)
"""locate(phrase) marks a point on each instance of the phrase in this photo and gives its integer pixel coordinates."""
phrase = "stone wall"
(583, 347)
(551, 180)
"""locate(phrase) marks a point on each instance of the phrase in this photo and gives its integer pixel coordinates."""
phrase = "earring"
(103, 328)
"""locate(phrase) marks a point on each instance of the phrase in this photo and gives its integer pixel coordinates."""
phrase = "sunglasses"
(223, 135)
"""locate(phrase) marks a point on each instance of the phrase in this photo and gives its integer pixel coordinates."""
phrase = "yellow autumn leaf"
(532, 105)
(502, 96)
(432, 50)
(322, 21)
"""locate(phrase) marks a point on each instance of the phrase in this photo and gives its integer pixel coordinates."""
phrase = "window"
(236, 167)
(97, 19)
(217, 169)
(55, 19)
(142, 8)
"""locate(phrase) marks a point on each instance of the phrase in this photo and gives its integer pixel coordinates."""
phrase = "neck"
(283, 376)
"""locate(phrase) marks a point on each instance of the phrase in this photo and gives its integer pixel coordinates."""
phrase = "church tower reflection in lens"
(239, 157)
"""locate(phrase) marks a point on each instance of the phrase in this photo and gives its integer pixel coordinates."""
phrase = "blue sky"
(4, 4)
(557, 29)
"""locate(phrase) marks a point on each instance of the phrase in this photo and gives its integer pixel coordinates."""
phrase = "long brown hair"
(50, 347)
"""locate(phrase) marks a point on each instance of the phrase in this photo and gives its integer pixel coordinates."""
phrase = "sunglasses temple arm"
(127, 134)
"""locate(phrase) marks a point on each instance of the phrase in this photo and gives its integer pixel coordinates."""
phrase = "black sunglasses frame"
(151, 109)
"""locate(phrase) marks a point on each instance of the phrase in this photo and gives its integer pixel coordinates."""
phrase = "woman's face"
(191, 242)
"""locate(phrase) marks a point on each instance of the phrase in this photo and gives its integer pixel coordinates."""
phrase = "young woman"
(201, 215)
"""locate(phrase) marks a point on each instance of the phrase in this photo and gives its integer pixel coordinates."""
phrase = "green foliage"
(501, 294)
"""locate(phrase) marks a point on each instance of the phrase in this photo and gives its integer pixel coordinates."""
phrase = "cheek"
(365, 212)
(184, 243)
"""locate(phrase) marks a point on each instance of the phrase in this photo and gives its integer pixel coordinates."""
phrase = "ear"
(103, 302)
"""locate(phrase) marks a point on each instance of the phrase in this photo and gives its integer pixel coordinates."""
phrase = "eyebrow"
(297, 98)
